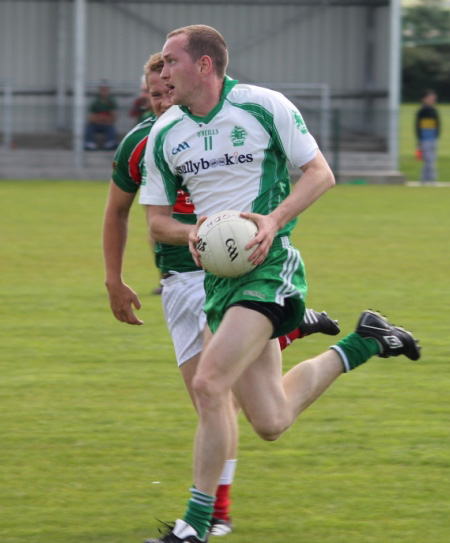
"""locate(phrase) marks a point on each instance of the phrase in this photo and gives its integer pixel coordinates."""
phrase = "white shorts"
(183, 297)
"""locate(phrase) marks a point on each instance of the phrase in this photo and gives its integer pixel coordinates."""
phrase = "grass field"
(407, 143)
(97, 428)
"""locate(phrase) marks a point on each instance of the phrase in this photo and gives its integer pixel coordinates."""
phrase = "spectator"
(427, 133)
(101, 119)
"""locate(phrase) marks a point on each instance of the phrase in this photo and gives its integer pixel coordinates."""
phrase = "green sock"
(199, 512)
(355, 350)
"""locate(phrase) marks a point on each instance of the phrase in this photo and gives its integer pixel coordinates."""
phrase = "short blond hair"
(154, 64)
(205, 40)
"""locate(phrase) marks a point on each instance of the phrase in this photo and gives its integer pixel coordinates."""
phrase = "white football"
(222, 240)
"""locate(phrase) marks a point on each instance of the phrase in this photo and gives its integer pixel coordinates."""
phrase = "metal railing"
(35, 119)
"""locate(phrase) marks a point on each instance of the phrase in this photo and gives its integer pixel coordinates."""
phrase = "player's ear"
(205, 65)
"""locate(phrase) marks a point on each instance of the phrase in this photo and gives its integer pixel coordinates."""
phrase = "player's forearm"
(166, 229)
(115, 233)
(315, 181)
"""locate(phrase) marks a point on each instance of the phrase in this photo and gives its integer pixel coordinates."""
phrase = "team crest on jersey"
(238, 136)
(299, 122)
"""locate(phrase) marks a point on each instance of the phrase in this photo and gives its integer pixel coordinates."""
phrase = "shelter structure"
(338, 60)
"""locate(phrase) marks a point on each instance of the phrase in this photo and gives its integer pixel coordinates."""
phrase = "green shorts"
(280, 277)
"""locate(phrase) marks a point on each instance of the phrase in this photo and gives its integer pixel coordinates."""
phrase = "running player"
(229, 146)
(183, 292)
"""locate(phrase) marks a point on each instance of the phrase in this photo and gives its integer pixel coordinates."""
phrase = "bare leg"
(239, 357)
(240, 339)
(188, 370)
(306, 381)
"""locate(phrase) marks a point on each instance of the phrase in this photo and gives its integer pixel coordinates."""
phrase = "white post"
(61, 65)
(79, 81)
(394, 80)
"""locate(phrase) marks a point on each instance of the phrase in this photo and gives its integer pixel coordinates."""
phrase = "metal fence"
(29, 114)
(37, 115)
(351, 138)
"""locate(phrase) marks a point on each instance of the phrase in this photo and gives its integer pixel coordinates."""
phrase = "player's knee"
(271, 429)
(207, 393)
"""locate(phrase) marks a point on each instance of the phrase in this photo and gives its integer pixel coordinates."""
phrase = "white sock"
(228, 471)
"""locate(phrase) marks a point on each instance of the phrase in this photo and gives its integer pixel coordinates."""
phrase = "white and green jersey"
(236, 157)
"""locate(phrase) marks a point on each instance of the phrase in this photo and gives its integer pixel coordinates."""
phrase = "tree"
(426, 50)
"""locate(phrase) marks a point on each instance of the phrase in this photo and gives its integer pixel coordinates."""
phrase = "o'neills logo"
(194, 167)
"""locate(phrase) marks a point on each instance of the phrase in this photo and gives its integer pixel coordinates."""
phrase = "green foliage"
(428, 20)
(423, 68)
(426, 51)
(97, 427)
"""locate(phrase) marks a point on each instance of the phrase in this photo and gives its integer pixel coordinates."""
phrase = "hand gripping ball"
(222, 240)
